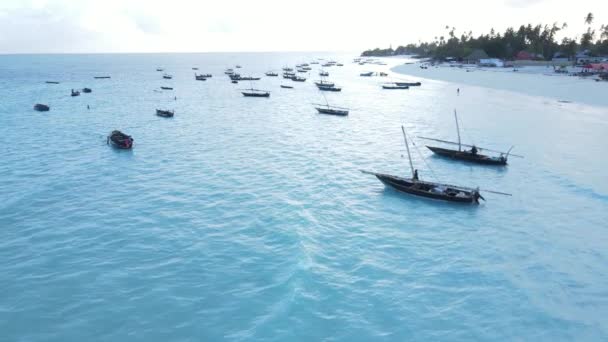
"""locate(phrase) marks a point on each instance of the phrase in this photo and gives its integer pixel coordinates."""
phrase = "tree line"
(539, 40)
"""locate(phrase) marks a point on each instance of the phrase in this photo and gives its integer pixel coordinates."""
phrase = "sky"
(100, 26)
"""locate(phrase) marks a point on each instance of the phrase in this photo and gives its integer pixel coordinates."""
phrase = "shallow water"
(248, 219)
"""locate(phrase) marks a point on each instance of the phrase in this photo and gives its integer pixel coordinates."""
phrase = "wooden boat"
(195, 68)
(120, 140)
(302, 71)
(52, 82)
(329, 88)
(160, 69)
(286, 86)
(41, 107)
(165, 113)
(166, 88)
(238, 66)
(331, 110)
(323, 73)
(255, 93)
(366, 74)
(287, 69)
(200, 77)
(271, 74)
(298, 79)
(415, 186)
(87, 90)
(101, 77)
(394, 86)
(471, 155)
(340, 64)
(229, 72)
(288, 75)
(324, 83)
(249, 78)
(206, 75)
(75, 93)
(235, 81)
(409, 84)
(383, 74)
(167, 77)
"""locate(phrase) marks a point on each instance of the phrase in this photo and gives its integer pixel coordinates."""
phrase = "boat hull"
(332, 111)
(256, 94)
(420, 189)
(468, 156)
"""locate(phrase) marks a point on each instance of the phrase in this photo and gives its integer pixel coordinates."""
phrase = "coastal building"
(491, 62)
(475, 56)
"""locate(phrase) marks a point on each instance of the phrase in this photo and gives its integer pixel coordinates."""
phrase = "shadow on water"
(496, 168)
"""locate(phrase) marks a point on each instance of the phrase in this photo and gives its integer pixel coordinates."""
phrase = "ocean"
(248, 219)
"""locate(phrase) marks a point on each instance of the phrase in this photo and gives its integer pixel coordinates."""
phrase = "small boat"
(165, 113)
(324, 73)
(331, 110)
(383, 74)
(271, 74)
(415, 186)
(200, 77)
(249, 78)
(366, 74)
(167, 77)
(235, 81)
(235, 77)
(160, 69)
(471, 155)
(287, 69)
(328, 88)
(340, 64)
(120, 140)
(52, 82)
(255, 93)
(41, 107)
(409, 84)
(206, 75)
(298, 79)
(229, 72)
(324, 83)
(75, 93)
(166, 88)
(286, 86)
(302, 71)
(238, 66)
(288, 75)
(194, 68)
(394, 86)
(101, 77)
(87, 90)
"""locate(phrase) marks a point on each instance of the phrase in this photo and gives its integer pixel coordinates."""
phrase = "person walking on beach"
(458, 91)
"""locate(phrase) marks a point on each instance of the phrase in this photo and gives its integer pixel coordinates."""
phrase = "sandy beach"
(535, 81)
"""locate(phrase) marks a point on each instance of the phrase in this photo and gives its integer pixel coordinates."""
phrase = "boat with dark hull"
(394, 87)
(87, 90)
(286, 86)
(323, 83)
(101, 77)
(165, 113)
(41, 107)
(329, 88)
(52, 82)
(166, 88)
(471, 155)
(331, 110)
(200, 77)
(298, 79)
(438, 191)
(409, 84)
(167, 77)
(255, 93)
(75, 93)
(272, 74)
(120, 140)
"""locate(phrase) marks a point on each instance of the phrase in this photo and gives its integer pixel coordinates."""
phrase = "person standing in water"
(458, 91)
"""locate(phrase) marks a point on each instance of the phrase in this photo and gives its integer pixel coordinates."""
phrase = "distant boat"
(340, 64)
(52, 82)
(271, 74)
(160, 69)
(287, 69)
(288, 75)
(324, 73)
(471, 155)
(87, 90)
(394, 86)
(101, 77)
(229, 72)
(206, 75)
(249, 78)
(323, 83)
(383, 74)
(331, 110)
(286, 86)
(329, 88)
(302, 71)
(235, 81)
(165, 113)
(415, 186)
(75, 93)
(200, 77)
(238, 66)
(366, 74)
(41, 107)
(166, 88)
(255, 93)
(195, 68)
(167, 77)
(120, 140)
(409, 84)
(298, 79)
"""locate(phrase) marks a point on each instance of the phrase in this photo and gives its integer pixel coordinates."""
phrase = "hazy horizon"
(188, 26)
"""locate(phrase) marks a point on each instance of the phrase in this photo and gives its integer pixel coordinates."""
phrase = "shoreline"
(533, 81)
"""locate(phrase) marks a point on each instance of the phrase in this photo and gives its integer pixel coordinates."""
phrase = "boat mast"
(408, 150)
(457, 130)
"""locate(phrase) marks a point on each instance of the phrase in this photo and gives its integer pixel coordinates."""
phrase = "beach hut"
(475, 56)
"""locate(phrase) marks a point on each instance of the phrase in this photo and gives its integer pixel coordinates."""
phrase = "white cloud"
(263, 25)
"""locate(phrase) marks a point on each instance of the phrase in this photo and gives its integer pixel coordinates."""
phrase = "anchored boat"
(120, 140)
(165, 113)
(472, 155)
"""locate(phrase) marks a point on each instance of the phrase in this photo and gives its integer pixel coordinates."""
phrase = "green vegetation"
(539, 40)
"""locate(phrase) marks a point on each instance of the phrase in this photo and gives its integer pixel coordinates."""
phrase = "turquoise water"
(248, 219)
